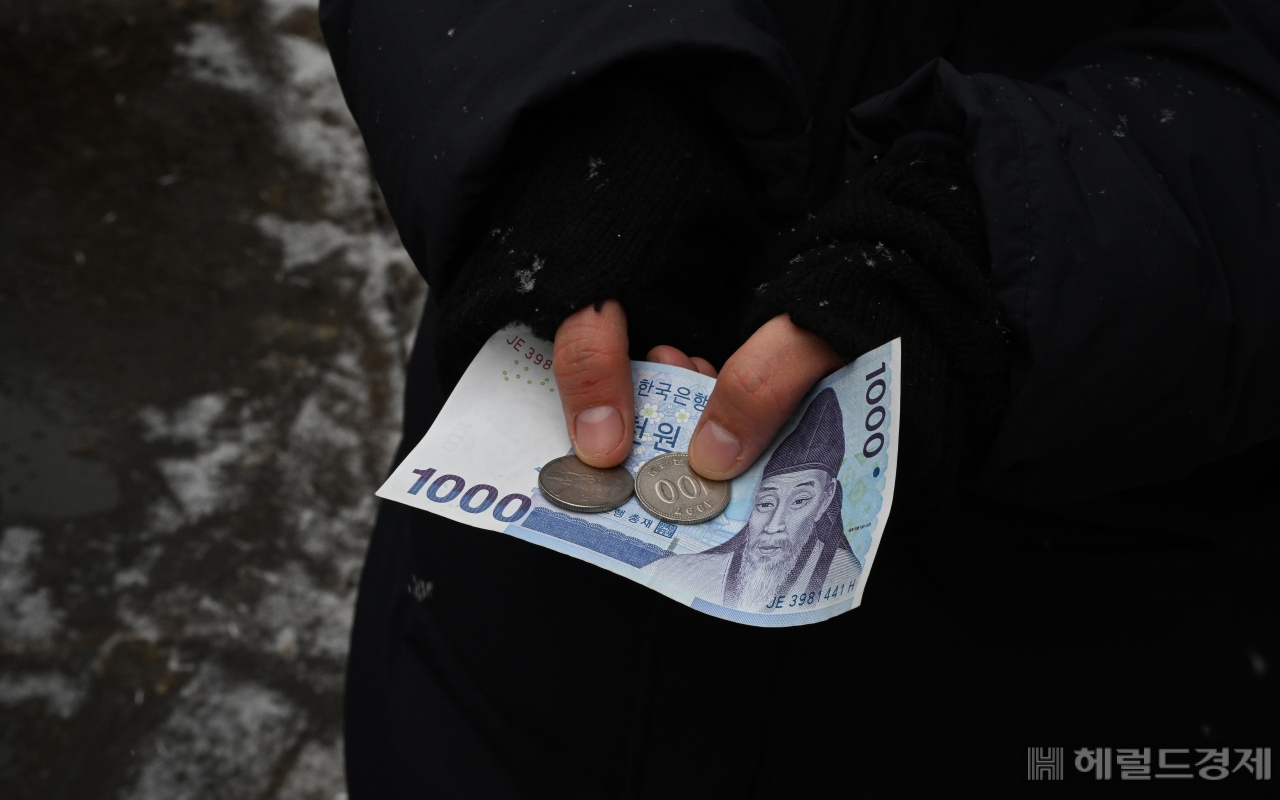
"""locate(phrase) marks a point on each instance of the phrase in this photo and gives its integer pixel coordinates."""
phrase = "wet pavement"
(204, 317)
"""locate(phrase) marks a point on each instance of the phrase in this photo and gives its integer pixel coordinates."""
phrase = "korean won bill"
(796, 542)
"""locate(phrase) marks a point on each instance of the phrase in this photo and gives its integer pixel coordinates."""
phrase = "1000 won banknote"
(795, 544)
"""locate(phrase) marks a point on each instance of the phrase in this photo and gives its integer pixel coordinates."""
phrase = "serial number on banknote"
(530, 352)
(811, 598)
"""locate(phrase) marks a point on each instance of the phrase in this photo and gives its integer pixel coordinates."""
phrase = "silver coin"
(670, 490)
(575, 486)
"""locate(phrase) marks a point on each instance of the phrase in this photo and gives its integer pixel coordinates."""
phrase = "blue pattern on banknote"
(602, 539)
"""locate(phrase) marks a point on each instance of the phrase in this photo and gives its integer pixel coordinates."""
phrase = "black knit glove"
(902, 253)
(626, 190)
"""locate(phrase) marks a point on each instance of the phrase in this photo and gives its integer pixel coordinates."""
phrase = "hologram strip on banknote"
(795, 544)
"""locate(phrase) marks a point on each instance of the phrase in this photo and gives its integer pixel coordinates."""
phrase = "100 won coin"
(671, 491)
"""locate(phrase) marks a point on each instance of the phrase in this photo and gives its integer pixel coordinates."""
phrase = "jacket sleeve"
(1132, 206)
(437, 89)
(625, 190)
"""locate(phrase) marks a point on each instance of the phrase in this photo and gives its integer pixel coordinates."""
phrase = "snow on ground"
(237, 402)
(27, 615)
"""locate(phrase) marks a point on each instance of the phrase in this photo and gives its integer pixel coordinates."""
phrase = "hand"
(756, 392)
(593, 374)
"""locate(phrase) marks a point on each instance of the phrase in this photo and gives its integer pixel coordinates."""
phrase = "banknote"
(796, 542)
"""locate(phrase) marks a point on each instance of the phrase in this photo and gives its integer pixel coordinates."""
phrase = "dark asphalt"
(204, 316)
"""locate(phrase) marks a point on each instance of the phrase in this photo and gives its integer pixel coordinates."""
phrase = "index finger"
(593, 377)
(757, 391)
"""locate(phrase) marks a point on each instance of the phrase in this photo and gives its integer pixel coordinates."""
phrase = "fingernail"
(597, 430)
(718, 449)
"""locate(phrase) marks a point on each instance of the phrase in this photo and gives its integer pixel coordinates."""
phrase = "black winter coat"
(1127, 156)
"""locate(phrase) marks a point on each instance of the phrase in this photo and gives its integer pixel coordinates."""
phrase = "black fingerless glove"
(626, 190)
(902, 253)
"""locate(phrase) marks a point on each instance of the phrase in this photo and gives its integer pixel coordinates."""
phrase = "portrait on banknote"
(793, 542)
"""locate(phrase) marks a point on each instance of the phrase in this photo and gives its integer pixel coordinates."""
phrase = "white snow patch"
(309, 102)
(331, 535)
(200, 483)
(191, 423)
(137, 624)
(371, 253)
(525, 276)
(164, 516)
(304, 243)
(222, 739)
(320, 619)
(1167, 115)
(420, 589)
(27, 614)
(317, 775)
(130, 577)
(311, 116)
(278, 10)
(61, 695)
(215, 56)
